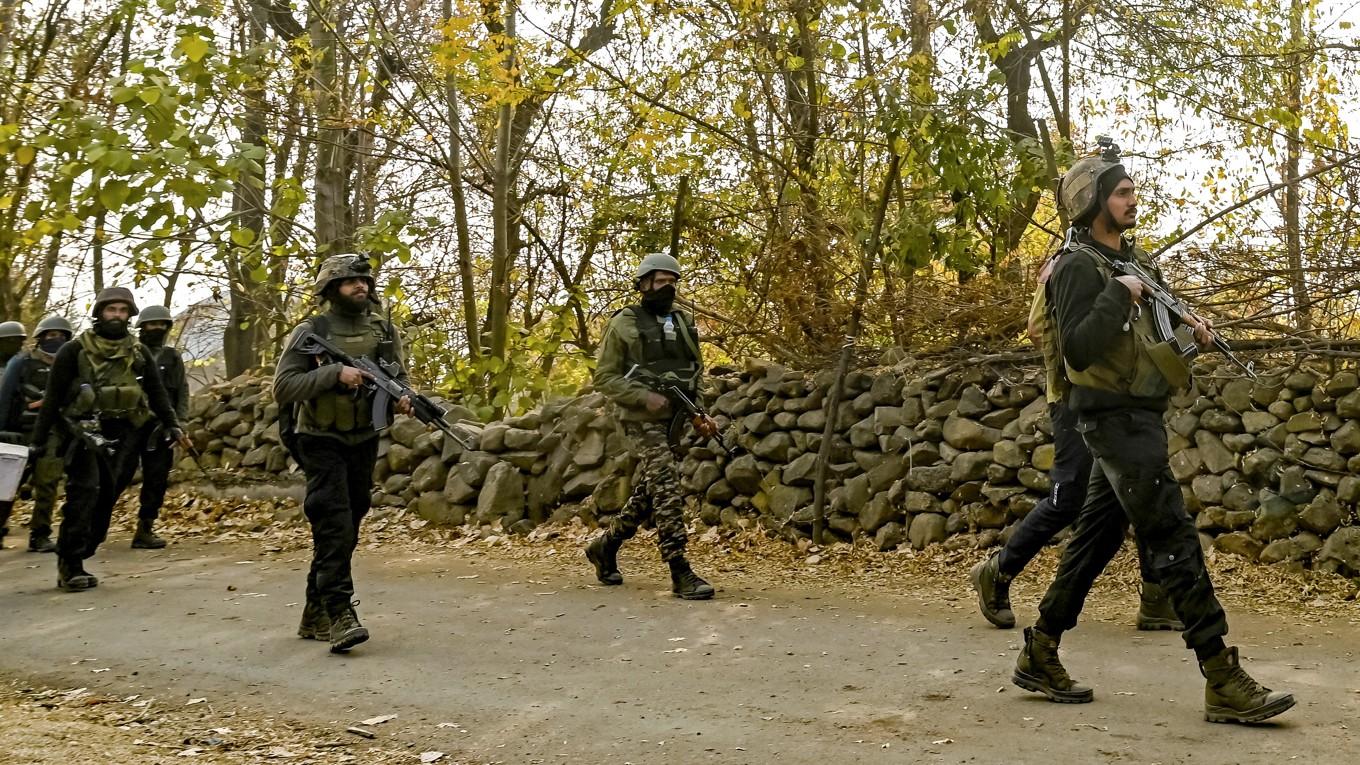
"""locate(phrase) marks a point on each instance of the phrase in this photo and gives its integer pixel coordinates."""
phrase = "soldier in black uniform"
(327, 424)
(21, 395)
(158, 455)
(103, 390)
(1120, 386)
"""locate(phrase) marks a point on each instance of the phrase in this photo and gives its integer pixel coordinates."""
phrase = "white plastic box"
(13, 457)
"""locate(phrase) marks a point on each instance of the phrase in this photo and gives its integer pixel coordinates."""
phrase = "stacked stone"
(1269, 466)
(234, 424)
(1270, 469)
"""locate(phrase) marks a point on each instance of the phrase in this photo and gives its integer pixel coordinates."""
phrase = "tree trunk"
(332, 202)
(1298, 278)
(460, 215)
(501, 192)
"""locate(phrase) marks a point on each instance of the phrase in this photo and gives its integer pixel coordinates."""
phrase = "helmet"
(338, 267)
(114, 295)
(1078, 188)
(656, 261)
(155, 313)
(54, 322)
(12, 329)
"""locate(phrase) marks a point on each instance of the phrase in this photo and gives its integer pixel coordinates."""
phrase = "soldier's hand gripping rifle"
(1167, 312)
(380, 378)
(699, 417)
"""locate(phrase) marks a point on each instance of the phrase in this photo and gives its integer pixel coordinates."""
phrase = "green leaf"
(242, 237)
(113, 194)
(150, 95)
(194, 47)
(24, 155)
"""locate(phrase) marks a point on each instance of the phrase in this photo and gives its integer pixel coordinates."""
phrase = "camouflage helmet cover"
(1079, 187)
(54, 323)
(155, 313)
(338, 267)
(657, 261)
(12, 329)
(114, 295)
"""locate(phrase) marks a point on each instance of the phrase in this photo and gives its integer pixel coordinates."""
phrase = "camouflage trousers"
(656, 491)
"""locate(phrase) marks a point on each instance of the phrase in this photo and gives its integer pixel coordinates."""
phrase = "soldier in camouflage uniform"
(646, 347)
(21, 395)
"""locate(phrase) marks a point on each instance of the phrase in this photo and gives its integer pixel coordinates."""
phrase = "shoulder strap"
(684, 322)
(321, 325)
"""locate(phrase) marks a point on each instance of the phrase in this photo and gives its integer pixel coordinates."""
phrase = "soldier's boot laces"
(1232, 696)
(146, 538)
(41, 543)
(1155, 611)
(603, 554)
(687, 584)
(346, 631)
(994, 592)
(1038, 669)
(72, 577)
(315, 625)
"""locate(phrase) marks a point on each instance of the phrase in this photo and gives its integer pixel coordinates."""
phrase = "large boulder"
(405, 430)
(970, 466)
(1341, 552)
(1323, 515)
(802, 471)
(774, 447)
(589, 451)
(1217, 458)
(877, 512)
(966, 434)
(430, 475)
(744, 474)
(502, 496)
(927, 529)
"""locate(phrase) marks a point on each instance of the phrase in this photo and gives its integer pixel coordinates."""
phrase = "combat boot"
(687, 584)
(41, 543)
(1232, 696)
(71, 576)
(603, 553)
(994, 592)
(315, 625)
(1038, 669)
(145, 538)
(1155, 611)
(346, 631)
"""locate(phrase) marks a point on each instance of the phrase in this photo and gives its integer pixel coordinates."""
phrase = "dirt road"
(501, 660)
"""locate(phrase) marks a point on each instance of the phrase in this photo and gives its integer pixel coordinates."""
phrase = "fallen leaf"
(379, 720)
(431, 756)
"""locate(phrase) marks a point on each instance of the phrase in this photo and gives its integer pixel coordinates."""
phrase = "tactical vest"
(109, 388)
(1127, 367)
(1054, 367)
(669, 350)
(32, 388)
(343, 411)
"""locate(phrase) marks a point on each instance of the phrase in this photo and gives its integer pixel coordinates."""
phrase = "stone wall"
(949, 456)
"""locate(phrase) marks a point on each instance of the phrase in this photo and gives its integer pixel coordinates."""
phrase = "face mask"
(111, 329)
(154, 337)
(52, 344)
(659, 301)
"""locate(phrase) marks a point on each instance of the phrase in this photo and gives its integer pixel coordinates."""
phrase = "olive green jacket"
(620, 350)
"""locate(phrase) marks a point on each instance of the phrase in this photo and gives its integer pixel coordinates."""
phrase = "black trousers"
(1132, 483)
(339, 492)
(94, 481)
(1071, 475)
(158, 457)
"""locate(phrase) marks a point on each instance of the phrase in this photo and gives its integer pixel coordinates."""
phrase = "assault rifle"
(380, 378)
(1167, 312)
(685, 408)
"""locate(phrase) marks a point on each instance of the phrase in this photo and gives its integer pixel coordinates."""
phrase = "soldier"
(12, 337)
(1120, 388)
(1070, 473)
(21, 396)
(158, 455)
(327, 423)
(102, 391)
(646, 346)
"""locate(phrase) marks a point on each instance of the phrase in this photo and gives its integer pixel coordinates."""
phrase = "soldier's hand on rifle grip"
(403, 405)
(352, 378)
(656, 402)
(1135, 285)
(705, 426)
(1203, 329)
(181, 438)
